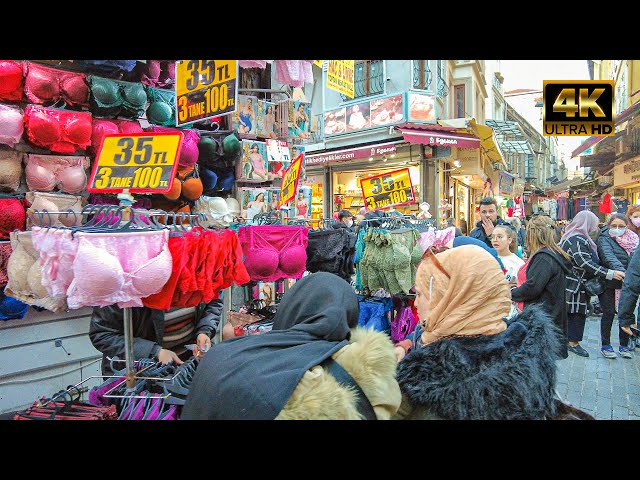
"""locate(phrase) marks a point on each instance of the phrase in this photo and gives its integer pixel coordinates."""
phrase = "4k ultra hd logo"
(577, 108)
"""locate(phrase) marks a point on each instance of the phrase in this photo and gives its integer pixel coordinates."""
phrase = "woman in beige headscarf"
(468, 360)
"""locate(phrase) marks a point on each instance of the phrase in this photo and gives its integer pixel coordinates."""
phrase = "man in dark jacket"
(489, 219)
(151, 339)
(345, 220)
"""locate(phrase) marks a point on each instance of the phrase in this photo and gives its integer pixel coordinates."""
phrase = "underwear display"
(12, 216)
(209, 150)
(98, 269)
(46, 172)
(332, 251)
(10, 170)
(61, 131)
(11, 125)
(374, 313)
(54, 202)
(216, 210)
(11, 81)
(5, 253)
(189, 151)
(102, 127)
(274, 252)
(47, 85)
(25, 275)
(10, 308)
(162, 106)
(115, 98)
(186, 183)
(158, 73)
(107, 65)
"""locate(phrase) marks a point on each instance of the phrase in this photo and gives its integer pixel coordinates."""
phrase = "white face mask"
(349, 223)
(636, 221)
(616, 232)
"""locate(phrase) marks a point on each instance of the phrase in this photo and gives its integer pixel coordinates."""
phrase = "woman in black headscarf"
(278, 375)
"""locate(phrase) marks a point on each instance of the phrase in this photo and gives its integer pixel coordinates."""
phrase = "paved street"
(607, 389)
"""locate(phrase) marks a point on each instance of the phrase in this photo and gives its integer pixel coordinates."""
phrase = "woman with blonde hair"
(469, 361)
(542, 279)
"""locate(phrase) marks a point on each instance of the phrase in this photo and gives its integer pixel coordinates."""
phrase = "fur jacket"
(370, 360)
(508, 376)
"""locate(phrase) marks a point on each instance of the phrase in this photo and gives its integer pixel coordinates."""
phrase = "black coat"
(480, 234)
(546, 279)
(106, 330)
(630, 291)
(508, 376)
(612, 255)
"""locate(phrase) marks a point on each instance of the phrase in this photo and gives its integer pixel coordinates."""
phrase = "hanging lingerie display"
(332, 250)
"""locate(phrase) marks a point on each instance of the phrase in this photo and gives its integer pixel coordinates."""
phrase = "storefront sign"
(352, 154)
(290, 181)
(138, 162)
(340, 76)
(626, 173)
(505, 184)
(387, 189)
(205, 88)
(364, 115)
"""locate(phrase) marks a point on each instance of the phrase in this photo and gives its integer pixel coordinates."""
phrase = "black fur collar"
(502, 377)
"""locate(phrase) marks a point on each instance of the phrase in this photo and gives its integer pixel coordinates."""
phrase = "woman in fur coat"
(468, 362)
(283, 374)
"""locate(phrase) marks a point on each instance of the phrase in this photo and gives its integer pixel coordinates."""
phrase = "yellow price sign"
(137, 162)
(205, 89)
(290, 181)
(388, 189)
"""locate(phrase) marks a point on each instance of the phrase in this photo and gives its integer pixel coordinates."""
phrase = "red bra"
(62, 131)
(274, 252)
(103, 126)
(11, 81)
(46, 85)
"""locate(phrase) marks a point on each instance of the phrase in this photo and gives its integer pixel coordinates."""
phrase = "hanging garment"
(158, 73)
(331, 251)
(10, 308)
(162, 106)
(11, 125)
(46, 172)
(562, 209)
(274, 252)
(436, 238)
(189, 151)
(374, 313)
(253, 63)
(294, 72)
(61, 131)
(46, 85)
(54, 202)
(10, 170)
(360, 244)
(404, 321)
(25, 275)
(571, 208)
(11, 81)
(5, 253)
(553, 209)
(606, 205)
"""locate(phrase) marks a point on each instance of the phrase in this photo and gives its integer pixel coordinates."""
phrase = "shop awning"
(440, 138)
(488, 143)
(589, 142)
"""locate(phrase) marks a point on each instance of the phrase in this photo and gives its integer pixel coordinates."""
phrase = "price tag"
(205, 89)
(290, 181)
(387, 189)
(138, 162)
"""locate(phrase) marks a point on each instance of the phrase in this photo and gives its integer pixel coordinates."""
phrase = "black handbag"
(595, 286)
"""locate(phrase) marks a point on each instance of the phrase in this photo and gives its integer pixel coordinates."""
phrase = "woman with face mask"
(577, 242)
(633, 214)
(616, 243)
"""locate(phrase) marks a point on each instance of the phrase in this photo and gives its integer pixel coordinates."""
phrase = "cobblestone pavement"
(608, 389)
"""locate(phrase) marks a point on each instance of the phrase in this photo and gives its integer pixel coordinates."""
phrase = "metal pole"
(128, 348)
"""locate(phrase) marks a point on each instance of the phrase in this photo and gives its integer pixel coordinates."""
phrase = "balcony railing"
(368, 80)
(421, 75)
(443, 88)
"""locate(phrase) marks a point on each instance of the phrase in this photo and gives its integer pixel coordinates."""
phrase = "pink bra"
(189, 151)
(46, 85)
(274, 252)
(62, 131)
(11, 81)
(11, 125)
(45, 172)
(102, 127)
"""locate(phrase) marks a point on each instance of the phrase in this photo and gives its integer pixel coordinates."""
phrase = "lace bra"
(274, 252)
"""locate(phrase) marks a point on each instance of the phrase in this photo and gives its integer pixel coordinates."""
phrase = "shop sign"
(205, 89)
(137, 162)
(440, 140)
(626, 173)
(290, 181)
(387, 189)
(340, 76)
(352, 154)
(505, 184)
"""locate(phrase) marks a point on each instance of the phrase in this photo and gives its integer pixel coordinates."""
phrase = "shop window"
(368, 79)
(421, 74)
(458, 101)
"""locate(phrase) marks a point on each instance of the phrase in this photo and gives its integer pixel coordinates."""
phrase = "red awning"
(589, 142)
